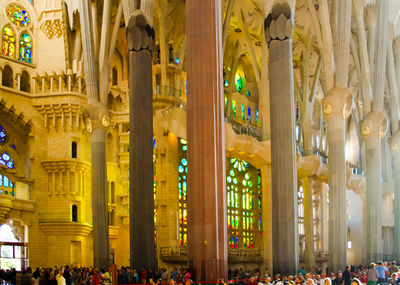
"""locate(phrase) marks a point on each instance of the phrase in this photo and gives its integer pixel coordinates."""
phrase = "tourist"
(372, 274)
(382, 269)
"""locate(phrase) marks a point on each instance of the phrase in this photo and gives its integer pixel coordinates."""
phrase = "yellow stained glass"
(25, 49)
(8, 47)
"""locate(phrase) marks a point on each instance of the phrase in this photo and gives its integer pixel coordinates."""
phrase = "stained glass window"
(238, 82)
(249, 114)
(8, 46)
(6, 186)
(243, 189)
(182, 191)
(18, 16)
(256, 116)
(25, 48)
(243, 112)
(234, 108)
(3, 135)
(5, 159)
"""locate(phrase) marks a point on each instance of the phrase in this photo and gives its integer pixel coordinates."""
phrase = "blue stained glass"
(154, 142)
(184, 162)
(5, 156)
(2, 134)
(1, 180)
(248, 93)
(177, 60)
(257, 116)
(5, 181)
(249, 113)
(181, 169)
(10, 164)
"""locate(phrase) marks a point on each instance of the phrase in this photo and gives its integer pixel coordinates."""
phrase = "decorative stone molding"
(375, 124)
(52, 28)
(308, 165)
(337, 103)
(279, 23)
(71, 228)
(139, 34)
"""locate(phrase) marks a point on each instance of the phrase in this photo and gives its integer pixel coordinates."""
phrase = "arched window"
(6, 186)
(25, 48)
(74, 213)
(7, 77)
(5, 159)
(74, 150)
(3, 135)
(25, 82)
(8, 46)
(238, 82)
(114, 76)
(18, 16)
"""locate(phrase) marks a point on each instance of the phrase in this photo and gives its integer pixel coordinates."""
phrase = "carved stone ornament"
(279, 23)
(139, 34)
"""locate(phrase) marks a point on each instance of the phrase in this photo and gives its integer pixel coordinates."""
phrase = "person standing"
(60, 278)
(347, 276)
(372, 275)
(381, 268)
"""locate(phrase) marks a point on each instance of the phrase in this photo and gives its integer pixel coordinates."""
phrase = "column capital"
(139, 34)
(337, 103)
(99, 116)
(308, 165)
(375, 124)
(279, 23)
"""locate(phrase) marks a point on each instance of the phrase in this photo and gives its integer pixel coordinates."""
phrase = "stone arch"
(25, 84)
(7, 77)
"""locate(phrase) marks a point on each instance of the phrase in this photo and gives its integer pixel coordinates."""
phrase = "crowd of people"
(380, 273)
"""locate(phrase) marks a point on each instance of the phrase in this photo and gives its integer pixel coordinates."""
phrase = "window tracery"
(6, 159)
(18, 16)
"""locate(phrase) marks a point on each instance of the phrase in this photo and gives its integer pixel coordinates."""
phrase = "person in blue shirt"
(381, 268)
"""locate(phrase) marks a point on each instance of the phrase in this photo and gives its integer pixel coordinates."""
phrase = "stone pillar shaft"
(309, 254)
(396, 239)
(337, 194)
(140, 38)
(99, 199)
(207, 232)
(279, 28)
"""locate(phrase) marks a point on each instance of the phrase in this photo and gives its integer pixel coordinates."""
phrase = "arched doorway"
(13, 252)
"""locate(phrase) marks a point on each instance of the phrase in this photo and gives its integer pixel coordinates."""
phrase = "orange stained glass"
(8, 47)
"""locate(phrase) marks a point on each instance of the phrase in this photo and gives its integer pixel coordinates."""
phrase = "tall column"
(309, 253)
(337, 106)
(140, 40)
(374, 129)
(395, 146)
(99, 121)
(278, 33)
(207, 232)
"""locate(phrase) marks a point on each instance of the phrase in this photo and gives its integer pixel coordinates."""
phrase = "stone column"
(99, 121)
(140, 40)
(395, 146)
(278, 32)
(374, 128)
(207, 232)
(337, 106)
(309, 253)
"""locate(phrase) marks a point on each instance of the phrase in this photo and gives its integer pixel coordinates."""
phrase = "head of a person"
(348, 267)
(310, 281)
(327, 281)
(372, 265)
(380, 263)
(318, 277)
(355, 281)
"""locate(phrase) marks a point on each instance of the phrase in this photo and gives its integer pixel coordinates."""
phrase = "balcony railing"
(10, 193)
(244, 252)
(245, 129)
(168, 91)
(173, 251)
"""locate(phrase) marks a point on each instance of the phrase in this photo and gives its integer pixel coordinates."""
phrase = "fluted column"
(140, 41)
(278, 33)
(395, 146)
(207, 232)
(337, 106)
(99, 122)
(374, 129)
(309, 253)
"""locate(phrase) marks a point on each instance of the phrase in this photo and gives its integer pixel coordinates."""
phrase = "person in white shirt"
(60, 278)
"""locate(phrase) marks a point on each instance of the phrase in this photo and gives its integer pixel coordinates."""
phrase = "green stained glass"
(184, 147)
(232, 173)
(250, 184)
(226, 83)
(247, 176)
(234, 108)
(244, 183)
(184, 162)
(229, 179)
(18, 16)
(235, 181)
(226, 101)
(238, 82)
(181, 169)
(243, 112)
